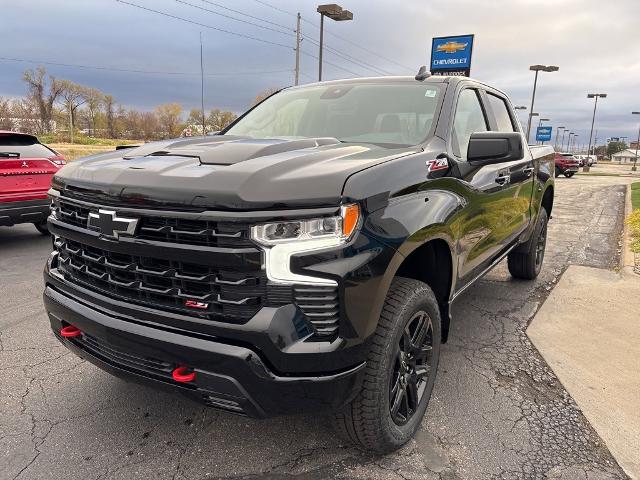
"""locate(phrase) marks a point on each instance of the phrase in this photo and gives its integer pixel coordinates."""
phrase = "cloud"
(596, 46)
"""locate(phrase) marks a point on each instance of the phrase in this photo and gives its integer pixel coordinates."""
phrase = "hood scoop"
(234, 151)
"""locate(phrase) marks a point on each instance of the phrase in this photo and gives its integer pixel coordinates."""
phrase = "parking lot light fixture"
(334, 12)
(537, 69)
(585, 168)
(635, 160)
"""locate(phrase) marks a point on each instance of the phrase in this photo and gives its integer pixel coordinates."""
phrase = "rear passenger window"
(501, 112)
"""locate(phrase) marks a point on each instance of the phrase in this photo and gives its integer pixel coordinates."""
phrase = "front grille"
(197, 290)
(211, 292)
(321, 306)
(171, 230)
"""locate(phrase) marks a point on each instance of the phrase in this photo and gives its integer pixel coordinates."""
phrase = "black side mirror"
(486, 148)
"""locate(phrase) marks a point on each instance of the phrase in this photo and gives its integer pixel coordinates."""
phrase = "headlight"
(284, 239)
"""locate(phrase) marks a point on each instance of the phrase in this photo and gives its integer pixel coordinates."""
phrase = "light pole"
(519, 107)
(585, 168)
(562, 141)
(635, 160)
(555, 144)
(334, 12)
(573, 144)
(568, 142)
(537, 68)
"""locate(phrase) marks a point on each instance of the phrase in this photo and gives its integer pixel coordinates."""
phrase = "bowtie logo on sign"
(451, 55)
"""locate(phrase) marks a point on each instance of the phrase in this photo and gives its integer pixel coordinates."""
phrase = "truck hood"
(224, 173)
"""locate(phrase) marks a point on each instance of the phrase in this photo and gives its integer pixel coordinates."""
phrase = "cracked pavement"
(497, 410)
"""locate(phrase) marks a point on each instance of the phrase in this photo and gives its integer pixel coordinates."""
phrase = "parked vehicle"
(26, 169)
(566, 164)
(305, 259)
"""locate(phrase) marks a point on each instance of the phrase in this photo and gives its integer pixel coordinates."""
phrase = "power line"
(204, 25)
(344, 39)
(332, 64)
(266, 4)
(360, 63)
(247, 15)
(125, 70)
(236, 19)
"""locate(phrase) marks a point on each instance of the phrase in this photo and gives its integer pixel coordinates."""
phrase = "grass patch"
(635, 195)
(80, 139)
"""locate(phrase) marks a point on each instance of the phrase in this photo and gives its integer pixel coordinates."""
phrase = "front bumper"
(231, 377)
(30, 211)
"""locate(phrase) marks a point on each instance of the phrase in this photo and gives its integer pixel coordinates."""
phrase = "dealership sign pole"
(451, 55)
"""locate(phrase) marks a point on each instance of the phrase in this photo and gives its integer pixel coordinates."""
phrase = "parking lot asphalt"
(497, 410)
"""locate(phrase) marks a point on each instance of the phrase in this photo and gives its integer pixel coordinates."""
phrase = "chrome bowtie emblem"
(110, 224)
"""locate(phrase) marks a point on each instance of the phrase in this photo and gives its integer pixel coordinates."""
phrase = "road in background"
(497, 411)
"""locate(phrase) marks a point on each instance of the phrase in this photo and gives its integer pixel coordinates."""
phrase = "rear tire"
(42, 227)
(409, 322)
(526, 261)
(569, 174)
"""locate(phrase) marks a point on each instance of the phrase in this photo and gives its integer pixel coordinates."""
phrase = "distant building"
(625, 156)
(633, 146)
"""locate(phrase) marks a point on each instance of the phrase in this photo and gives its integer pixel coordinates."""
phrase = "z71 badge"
(437, 164)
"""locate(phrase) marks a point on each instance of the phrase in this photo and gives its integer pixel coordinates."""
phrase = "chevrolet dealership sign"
(451, 55)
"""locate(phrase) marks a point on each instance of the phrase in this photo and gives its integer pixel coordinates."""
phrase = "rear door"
(25, 168)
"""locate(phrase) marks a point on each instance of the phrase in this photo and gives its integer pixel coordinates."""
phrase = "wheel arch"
(547, 200)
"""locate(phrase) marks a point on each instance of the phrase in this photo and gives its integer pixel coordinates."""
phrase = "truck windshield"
(390, 115)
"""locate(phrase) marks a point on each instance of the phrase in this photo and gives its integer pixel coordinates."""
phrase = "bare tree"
(169, 117)
(43, 93)
(72, 97)
(93, 99)
(110, 115)
(6, 114)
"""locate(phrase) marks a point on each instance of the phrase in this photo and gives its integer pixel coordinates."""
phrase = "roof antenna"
(423, 73)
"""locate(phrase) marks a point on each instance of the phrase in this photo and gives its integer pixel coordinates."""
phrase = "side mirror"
(486, 148)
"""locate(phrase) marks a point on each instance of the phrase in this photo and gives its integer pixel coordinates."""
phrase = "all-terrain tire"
(367, 421)
(42, 227)
(526, 261)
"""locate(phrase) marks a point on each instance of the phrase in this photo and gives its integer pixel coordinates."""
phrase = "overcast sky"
(596, 44)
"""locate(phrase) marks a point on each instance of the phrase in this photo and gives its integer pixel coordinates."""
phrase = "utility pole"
(635, 160)
(204, 129)
(297, 79)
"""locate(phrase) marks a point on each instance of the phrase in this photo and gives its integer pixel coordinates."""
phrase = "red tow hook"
(183, 375)
(70, 331)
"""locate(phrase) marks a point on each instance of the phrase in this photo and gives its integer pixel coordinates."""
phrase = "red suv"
(566, 164)
(26, 169)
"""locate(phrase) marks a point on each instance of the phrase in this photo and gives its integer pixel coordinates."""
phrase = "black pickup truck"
(304, 259)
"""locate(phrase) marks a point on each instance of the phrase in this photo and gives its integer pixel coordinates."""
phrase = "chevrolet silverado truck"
(304, 259)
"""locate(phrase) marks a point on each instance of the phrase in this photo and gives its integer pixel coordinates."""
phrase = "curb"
(630, 260)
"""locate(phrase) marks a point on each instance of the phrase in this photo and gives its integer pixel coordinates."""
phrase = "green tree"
(219, 119)
(615, 147)
(169, 116)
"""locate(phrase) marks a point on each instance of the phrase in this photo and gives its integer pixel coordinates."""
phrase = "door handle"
(503, 179)
(528, 171)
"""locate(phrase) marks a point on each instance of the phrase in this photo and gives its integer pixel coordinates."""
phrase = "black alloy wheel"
(411, 368)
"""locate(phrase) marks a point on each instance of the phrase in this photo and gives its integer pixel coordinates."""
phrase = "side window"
(501, 112)
(469, 119)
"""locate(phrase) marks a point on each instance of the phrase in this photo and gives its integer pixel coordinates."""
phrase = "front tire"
(400, 371)
(526, 261)
(558, 172)
(42, 227)
(569, 174)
